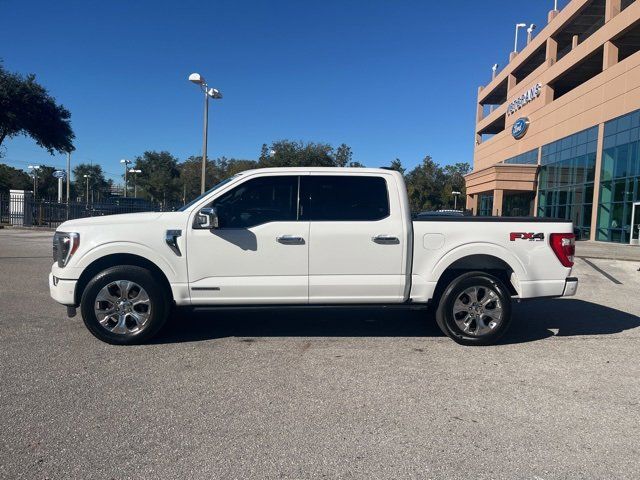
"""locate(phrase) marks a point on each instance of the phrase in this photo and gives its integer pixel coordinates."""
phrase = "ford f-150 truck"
(307, 236)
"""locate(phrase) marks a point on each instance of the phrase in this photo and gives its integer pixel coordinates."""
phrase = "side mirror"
(206, 219)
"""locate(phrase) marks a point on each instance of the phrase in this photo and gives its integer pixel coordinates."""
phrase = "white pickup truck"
(306, 236)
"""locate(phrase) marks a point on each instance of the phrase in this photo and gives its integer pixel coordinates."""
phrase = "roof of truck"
(319, 169)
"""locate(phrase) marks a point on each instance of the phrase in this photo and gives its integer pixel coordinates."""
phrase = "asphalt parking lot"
(320, 393)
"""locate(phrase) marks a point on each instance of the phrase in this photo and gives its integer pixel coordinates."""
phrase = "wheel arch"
(477, 262)
(116, 259)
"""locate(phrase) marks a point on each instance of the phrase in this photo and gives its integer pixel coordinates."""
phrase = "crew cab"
(307, 236)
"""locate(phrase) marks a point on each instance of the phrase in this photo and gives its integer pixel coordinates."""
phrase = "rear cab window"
(343, 198)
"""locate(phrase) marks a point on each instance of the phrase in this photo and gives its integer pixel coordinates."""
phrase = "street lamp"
(135, 183)
(494, 69)
(87, 176)
(126, 164)
(216, 95)
(530, 30)
(515, 43)
(34, 169)
(455, 199)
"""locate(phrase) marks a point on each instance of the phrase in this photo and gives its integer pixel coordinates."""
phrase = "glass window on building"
(517, 204)
(565, 180)
(485, 205)
(526, 158)
(619, 178)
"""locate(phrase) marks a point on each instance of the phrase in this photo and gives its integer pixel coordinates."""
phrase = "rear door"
(357, 238)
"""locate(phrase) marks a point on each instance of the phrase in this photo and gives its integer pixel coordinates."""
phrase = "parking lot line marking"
(36, 256)
(598, 269)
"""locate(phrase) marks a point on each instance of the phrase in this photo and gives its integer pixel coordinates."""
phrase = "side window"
(343, 198)
(257, 201)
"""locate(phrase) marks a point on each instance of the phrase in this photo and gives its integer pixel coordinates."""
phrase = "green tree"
(26, 108)
(47, 183)
(160, 176)
(289, 153)
(98, 184)
(424, 186)
(397, 165)
(454, 182)
(343, 156)
(13, 178)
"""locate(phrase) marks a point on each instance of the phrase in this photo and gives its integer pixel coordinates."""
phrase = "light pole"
(216, 95)
(126, 168)
(34, 169)
(68, 176)
(530, 30)
(515, 43)
(455, 200)
(135, 183)
(494, 70)
(87, 176)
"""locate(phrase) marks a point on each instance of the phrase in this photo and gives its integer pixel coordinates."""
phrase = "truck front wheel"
(124, 305)
(475, 309)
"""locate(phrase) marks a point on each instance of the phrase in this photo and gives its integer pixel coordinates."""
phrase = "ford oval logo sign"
(520, 128)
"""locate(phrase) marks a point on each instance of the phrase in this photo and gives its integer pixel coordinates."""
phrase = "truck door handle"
(290, 240)
(386, 240)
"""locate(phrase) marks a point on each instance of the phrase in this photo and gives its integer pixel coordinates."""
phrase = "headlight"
(64, 246)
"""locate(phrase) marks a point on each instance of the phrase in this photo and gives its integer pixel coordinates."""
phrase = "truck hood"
(121, 219)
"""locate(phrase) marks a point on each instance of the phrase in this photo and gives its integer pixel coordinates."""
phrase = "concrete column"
(536, 197)
(498, 196)
(596, 183)
(547, 94)
(610, 56)
(611, 9)
(551, 50)
(552, 14)
(511, 82)
(479, 109)
(472, 203)
(574, 42)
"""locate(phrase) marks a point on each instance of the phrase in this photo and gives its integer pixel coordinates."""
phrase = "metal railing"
(24, 210)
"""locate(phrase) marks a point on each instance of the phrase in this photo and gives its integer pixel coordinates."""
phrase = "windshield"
(215, 187)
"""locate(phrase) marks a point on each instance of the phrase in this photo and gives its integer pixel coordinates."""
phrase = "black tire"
(500, 298)
(159, 304)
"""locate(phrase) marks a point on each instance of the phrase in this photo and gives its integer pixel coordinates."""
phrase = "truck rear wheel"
(124, 305)
(475, 309)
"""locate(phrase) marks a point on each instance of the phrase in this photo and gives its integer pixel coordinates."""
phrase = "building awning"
(502, 176)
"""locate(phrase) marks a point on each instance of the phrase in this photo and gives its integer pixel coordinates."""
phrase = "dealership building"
(558, 129)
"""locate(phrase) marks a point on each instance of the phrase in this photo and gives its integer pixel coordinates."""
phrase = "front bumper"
(570, 287)
(62, 291)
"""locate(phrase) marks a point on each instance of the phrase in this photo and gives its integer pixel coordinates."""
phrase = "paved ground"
(606, 250)
(320, 394)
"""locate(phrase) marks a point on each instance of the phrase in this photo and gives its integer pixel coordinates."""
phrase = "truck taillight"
(564, 246)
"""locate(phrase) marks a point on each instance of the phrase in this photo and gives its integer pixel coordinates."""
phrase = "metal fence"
(24, 210)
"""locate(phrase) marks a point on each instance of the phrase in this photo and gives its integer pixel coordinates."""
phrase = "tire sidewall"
(444, 314)
(139, 275)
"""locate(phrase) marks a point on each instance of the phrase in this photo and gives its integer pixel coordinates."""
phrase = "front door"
(260, 252)
(635, 224)
(357, 239)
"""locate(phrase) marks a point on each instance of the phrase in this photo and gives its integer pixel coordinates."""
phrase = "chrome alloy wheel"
(123, 307)
(477, 311)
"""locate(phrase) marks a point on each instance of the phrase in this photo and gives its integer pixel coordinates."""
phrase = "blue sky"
(390, 79)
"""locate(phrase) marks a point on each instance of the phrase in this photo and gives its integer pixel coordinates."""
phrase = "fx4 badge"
(532, 237)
